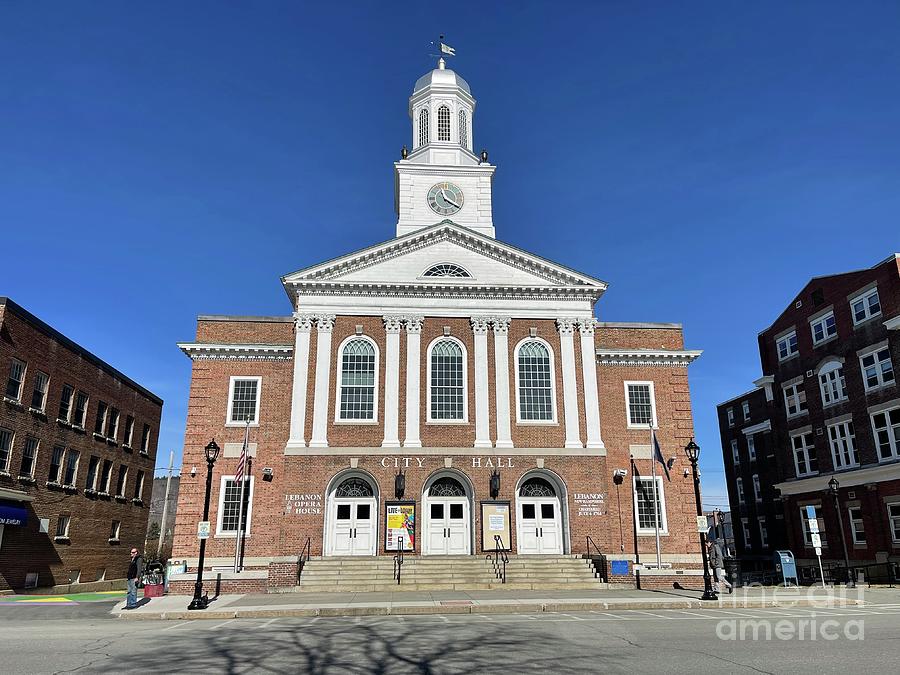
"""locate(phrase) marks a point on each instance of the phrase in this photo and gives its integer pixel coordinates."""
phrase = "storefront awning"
(13, 514)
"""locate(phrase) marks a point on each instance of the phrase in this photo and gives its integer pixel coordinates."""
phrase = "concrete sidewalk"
(490, 602)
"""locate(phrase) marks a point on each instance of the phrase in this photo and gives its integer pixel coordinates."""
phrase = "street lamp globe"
(212, 451)
(833, 485)
(692, 450)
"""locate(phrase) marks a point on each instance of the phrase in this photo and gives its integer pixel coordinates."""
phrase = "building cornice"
(852, 478)
(202, 351)
(440, 290)
(647, 357)
(15, 495)
(757, 428)
(893, 324)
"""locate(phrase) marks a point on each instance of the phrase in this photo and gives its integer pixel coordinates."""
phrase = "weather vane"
(443, 48)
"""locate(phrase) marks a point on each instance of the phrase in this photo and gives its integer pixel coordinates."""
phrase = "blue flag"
(658, 456)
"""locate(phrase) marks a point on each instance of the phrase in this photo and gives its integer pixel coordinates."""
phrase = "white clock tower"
(441, 178)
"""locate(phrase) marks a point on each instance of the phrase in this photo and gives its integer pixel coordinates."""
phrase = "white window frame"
(13, 361)
(823, 320)
(895, 526)
(893, 438)
(44, 392)
(232, 534)
(825, 383)
(757, 488)
(878, 371)
(798, 389)
(729, 413)
(739, 485)
(71, 401)
(786, 339)
(735, 451)
(339, 386)
(465, 358)
(763, 533)
(655, 421)
(68, 522)
(663, 520)
(4, 467)
(751, 447)
(553, 419)
(98, 470)
(65, 467)
(37, 448)
(745, 525)
(122, 492)
(805, 450)
(853, 527)
(745, 408)
(242, 423)
(846, 434)
(804, 526)
(115, 530)
(73, 408)
(864, 298)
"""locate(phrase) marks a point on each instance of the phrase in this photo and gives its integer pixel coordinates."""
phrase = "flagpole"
(655, 495)
(243, 467)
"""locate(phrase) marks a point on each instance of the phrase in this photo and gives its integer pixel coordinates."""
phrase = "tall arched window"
(832, 383)
(447, 386)
(357, 398)
(423, 127)
(534, 373)
(443, 123)
(463, 129)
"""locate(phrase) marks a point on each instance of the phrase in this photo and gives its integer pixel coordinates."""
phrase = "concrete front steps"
(437, 573)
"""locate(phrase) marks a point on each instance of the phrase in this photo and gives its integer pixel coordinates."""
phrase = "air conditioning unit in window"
(809, 373)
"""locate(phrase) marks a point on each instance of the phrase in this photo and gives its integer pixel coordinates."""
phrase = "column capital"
(480, 324)
(325, 322)
(501, 324)
(303, 322)
(566, 326)
(414, 324)
(392, 322)
(586, 326)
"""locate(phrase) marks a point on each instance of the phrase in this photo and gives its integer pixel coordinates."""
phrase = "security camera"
(193, 472)
(619, 476)
(268, 473)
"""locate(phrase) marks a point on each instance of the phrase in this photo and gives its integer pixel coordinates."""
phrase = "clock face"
(445, 199)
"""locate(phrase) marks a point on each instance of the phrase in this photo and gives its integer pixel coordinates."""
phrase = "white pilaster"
(302, 329)
(392, 325)
(589, 375)
(482, 410)
(413, 356)
(570, 388)
(324, 326)
(501, 380)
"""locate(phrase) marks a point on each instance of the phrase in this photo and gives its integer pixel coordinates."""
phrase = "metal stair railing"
(303, 558)
(499, 559)
(598, 562)
(398, 559)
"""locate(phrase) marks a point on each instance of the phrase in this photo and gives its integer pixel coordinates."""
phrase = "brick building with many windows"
(443, 387)
(77, 451)
(826, 407)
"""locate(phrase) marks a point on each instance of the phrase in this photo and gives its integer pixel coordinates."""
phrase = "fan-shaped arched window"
(535, 382)
(423, 127)
(446, 487)
(831, 382)
(447, 386)
(463, 129)
(357, 397)
(446, 270)
(443, 123)
(354, 487)
(537, 487)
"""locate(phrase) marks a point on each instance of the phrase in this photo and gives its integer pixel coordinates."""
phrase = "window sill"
(344, 423)
(5, 474)
(103, 495)
(806, 475)
(61, 540)
(880, 387)
(441, 423)
(77, 429)
(137, 501)
(13, 402)
(112, 441)
(652, 533)
(63, 423)
(241, 424)
(230, 535)
(37, 412)
(834, 403)
(114, 542)
(71, 489)
(144, 453)
(865, 321)
(99, 437)
(825, 341)
(797, 415)
(53, 485)
(121, 499)
(126, 447)
(89, 492)
(28, 480)
(788, 358)
(537, 423)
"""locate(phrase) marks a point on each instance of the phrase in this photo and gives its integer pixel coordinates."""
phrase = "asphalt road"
(662, 641)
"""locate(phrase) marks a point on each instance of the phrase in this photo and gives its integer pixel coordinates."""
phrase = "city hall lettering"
(510, 406)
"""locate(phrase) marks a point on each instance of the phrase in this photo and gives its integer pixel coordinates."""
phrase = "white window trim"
(827, 367)
(34, 460)
(757, 488)
(895, 454)
(4, 468)
(12, 360)
(797, 386)
(465, 356)
(73, 406)
(231, 535)
(735, 451)
(804, 526)
(862, 370)
(46, 391)
(745, 409)
(65, 466)
(663, 520)
(763, 532)
(739, 487)
(338, 386)
(745, 526)
(786, 338)
(751, 447)
(887, 508)
(853, 530)
(124, 490)
(242, 423)
(806, 449)
(139, 479)
(554, 419)
(729, 414)
(839, 466)
(860, 296)
(655, 422)
(822, 318)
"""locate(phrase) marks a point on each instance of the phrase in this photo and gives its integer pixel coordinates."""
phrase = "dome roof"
(441, 77)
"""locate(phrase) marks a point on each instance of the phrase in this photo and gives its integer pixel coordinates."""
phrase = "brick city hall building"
(442, 387)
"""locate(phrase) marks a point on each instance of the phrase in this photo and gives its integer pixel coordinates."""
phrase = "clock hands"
(448, 200)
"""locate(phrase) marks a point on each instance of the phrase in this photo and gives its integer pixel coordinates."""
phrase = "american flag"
(242, 462)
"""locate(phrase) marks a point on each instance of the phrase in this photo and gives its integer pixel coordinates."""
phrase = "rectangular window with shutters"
(229, 498)
(65, 403)
(857, 527)
(56, 460)
(29, 458)
(640, 404)
(16, 377)
(644, 500)
(39, 393)
(80, 412)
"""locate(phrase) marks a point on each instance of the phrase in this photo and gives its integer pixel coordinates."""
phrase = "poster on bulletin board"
(400, 525)
(495, 521)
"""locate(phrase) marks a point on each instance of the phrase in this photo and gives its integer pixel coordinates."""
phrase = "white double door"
(540, 525)
(353, 525)
(447, 531)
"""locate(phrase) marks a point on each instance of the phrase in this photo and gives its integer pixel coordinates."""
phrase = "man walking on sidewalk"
(135, 569)
(717, 563)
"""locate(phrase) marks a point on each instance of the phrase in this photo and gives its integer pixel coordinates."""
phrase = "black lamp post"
(495, 484)
(692, 450)
(212, 453)
(833, 486)
(399, 484)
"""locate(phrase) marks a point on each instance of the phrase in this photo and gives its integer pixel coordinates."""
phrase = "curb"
(497, 608)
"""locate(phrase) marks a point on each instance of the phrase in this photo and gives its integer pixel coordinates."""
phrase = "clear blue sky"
(162, 160)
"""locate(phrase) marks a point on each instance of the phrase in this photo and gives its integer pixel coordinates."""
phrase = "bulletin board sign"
(495, 520)
(400, 522)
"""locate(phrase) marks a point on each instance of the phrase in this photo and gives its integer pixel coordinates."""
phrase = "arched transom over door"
(448, 517)
(352, 523)
(539, 521)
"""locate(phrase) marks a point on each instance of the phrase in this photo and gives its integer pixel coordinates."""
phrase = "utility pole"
(162, 525)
